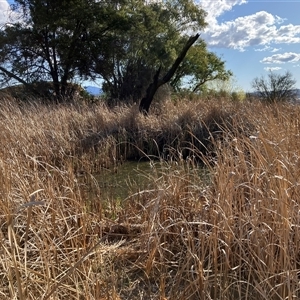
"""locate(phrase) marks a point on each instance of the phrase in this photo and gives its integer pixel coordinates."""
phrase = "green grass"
(232, 237)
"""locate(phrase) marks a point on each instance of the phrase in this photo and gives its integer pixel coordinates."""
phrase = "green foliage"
(121, 42)
(200, 67)
(238, 96)
(42, 91)
(54, 40)
(223, 88)
(154, 41)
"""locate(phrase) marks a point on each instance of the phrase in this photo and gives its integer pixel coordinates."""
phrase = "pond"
(132, 177)
(129, 177)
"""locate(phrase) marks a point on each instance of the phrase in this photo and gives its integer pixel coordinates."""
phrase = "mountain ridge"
(93, 90)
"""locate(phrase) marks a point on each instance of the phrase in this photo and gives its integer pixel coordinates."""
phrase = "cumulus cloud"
(216, 8)
(272, 68)
(256, 29)
(282, 58)
(259, 29)
(4, 11)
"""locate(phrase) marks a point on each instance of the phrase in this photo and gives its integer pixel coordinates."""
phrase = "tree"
(122, 42)
(226, 88)
(200, 66)
(154, 41)
(53, 41)
(157, 82)
(276, 87)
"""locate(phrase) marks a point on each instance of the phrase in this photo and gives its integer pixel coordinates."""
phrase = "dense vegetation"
(217, 217)
(121, 43)
(234, 236)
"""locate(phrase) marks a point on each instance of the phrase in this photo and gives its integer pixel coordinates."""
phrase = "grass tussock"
(231, 234)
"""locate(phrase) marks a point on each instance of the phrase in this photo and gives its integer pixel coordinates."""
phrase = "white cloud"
(4, 11)
(282, 58)
(275, 49)
(259, 29)
(272, 68)
(252, 30)
(267, 48)
(216, 8)
(289, 29)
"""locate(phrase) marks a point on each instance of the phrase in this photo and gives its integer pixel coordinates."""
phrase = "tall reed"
(230, 233)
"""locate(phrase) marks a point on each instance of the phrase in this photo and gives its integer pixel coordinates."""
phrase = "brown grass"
(234, 236)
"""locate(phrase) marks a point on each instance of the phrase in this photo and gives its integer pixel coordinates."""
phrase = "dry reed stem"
(232, 234)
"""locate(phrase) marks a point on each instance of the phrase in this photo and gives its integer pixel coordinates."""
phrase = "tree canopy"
(122, 43)
(199, 67)
(53, 39)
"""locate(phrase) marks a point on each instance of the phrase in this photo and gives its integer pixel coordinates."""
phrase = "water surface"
(132, 177)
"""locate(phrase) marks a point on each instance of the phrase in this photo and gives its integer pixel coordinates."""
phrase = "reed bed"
(232, 234)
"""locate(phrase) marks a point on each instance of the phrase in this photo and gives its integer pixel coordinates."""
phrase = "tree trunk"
(150, 92)
(153, 87)
(30, 87)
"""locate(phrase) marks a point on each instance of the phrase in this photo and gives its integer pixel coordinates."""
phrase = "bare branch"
(276, 87)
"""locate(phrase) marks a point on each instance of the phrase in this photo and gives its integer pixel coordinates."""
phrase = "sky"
(252, 36)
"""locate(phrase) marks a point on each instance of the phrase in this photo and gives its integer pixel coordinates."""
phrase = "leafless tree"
(275, 87)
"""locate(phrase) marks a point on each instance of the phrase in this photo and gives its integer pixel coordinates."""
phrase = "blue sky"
(255, 36)
(252, 36)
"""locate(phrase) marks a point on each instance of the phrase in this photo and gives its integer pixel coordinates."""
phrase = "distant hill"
(297, 92)
(93, 90)
(96, 91)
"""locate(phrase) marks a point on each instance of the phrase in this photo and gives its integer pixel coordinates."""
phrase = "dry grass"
(232, 237)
